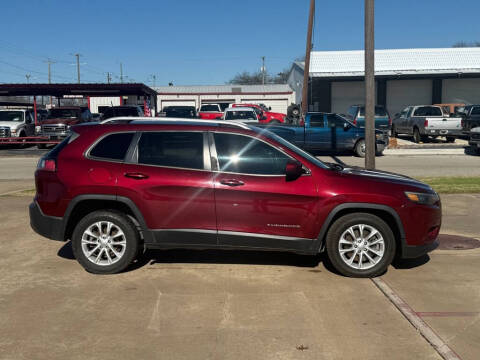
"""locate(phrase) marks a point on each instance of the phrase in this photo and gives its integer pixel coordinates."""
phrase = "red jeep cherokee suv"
(115, 189)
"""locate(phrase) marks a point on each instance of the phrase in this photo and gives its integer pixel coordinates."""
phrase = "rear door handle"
(136, 176)
(232, 182)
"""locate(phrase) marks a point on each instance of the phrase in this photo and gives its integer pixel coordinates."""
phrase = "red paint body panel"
(210, 115)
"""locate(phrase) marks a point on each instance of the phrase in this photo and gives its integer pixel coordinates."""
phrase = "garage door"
(345, 94)
(277, 105)
(403, 93)
(465, 91)
(166, 103)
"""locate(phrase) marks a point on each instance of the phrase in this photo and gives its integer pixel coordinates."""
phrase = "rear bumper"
(444, 132)
(410, 252)
(48, 226)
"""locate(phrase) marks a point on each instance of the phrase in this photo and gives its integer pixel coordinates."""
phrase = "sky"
(190, 42)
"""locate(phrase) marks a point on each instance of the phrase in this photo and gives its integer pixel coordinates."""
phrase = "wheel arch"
(384, 212)
(84, 204)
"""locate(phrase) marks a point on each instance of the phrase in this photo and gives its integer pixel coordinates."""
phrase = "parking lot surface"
(224, 305)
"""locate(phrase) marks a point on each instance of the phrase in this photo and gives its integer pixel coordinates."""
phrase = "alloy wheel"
(103, 243)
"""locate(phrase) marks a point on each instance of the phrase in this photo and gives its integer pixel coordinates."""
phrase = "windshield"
(379, 111)
(209, 108)
(63, 113)
(290, 146)
(11, 115)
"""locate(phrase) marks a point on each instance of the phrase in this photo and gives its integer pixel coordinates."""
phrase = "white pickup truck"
(423, 121)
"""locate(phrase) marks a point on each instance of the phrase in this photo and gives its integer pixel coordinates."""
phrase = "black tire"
(416, 136)
(341, 225)
(360, 148)
(394, 131)
(120, 220)
(41, 146)
(450, 139)
(20, 136)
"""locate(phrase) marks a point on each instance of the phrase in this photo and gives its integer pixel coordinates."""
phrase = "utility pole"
(77, 55)
(370, 84)
(28, 76)
(308, 50)
(50, 62)
(121, 73)
(154, 79)
(263, 70)
(109, 78)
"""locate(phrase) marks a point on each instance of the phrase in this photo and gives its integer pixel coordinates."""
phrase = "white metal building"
(403, 77)
(277, 96)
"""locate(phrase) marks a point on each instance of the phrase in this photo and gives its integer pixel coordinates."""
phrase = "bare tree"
(246, 78)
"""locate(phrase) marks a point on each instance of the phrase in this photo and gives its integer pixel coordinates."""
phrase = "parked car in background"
(115, 189)
(356, 114)
(210, 111)
(122, 110)
(265, 116)
(451, 108)
(328, 132)
(16, 123)
(187, 112)
(241, 114)
(60, 119)
(474, 139)
(470, 118)
(423, 121)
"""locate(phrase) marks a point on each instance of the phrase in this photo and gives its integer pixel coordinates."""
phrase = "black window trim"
(132, 153)
(87, 155)
(216, 165)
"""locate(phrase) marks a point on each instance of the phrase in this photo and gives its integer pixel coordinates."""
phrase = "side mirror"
(293, 170)
(269, 108)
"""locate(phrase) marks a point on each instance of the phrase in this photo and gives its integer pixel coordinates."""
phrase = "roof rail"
(120, 120)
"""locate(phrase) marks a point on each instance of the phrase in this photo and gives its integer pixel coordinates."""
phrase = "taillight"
(354, 121)
(462, 123)
(389, 121)
(425, 124)
(47, 165)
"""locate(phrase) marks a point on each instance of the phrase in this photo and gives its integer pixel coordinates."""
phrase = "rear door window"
(112, 147)
(207, 108)
(172, 149)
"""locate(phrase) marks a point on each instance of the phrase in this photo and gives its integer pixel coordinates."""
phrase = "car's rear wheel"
(105, 242)
(360, 245)
(416, 136)
(450, 139)
(360, 148)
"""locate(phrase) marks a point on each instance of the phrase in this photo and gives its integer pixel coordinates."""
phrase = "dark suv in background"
(122, 110)
(114, 189)
(356, 114)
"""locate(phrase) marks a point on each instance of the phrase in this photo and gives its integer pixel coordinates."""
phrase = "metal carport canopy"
(59, 90)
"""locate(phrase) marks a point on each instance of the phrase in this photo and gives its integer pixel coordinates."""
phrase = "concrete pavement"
(227, 305)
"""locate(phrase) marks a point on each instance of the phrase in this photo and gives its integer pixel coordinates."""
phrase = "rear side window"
(476, 110)
(113, 147)
(182, 149)
(317, 121)
(428, 111)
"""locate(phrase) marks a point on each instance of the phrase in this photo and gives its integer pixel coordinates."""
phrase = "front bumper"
(410, 252)
(48, 226)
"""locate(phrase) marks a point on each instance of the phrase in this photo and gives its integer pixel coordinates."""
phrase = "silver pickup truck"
(424, 121)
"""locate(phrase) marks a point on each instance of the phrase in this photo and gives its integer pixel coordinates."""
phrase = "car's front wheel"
(360, 245)
(360, 148)
(105, 242)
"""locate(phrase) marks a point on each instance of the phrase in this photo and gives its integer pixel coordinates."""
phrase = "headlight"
(423, 198)
(13, 131)
(38, 129)
(378, 136)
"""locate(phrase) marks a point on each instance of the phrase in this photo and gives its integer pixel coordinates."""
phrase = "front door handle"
(232, 182)
(136, 176)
